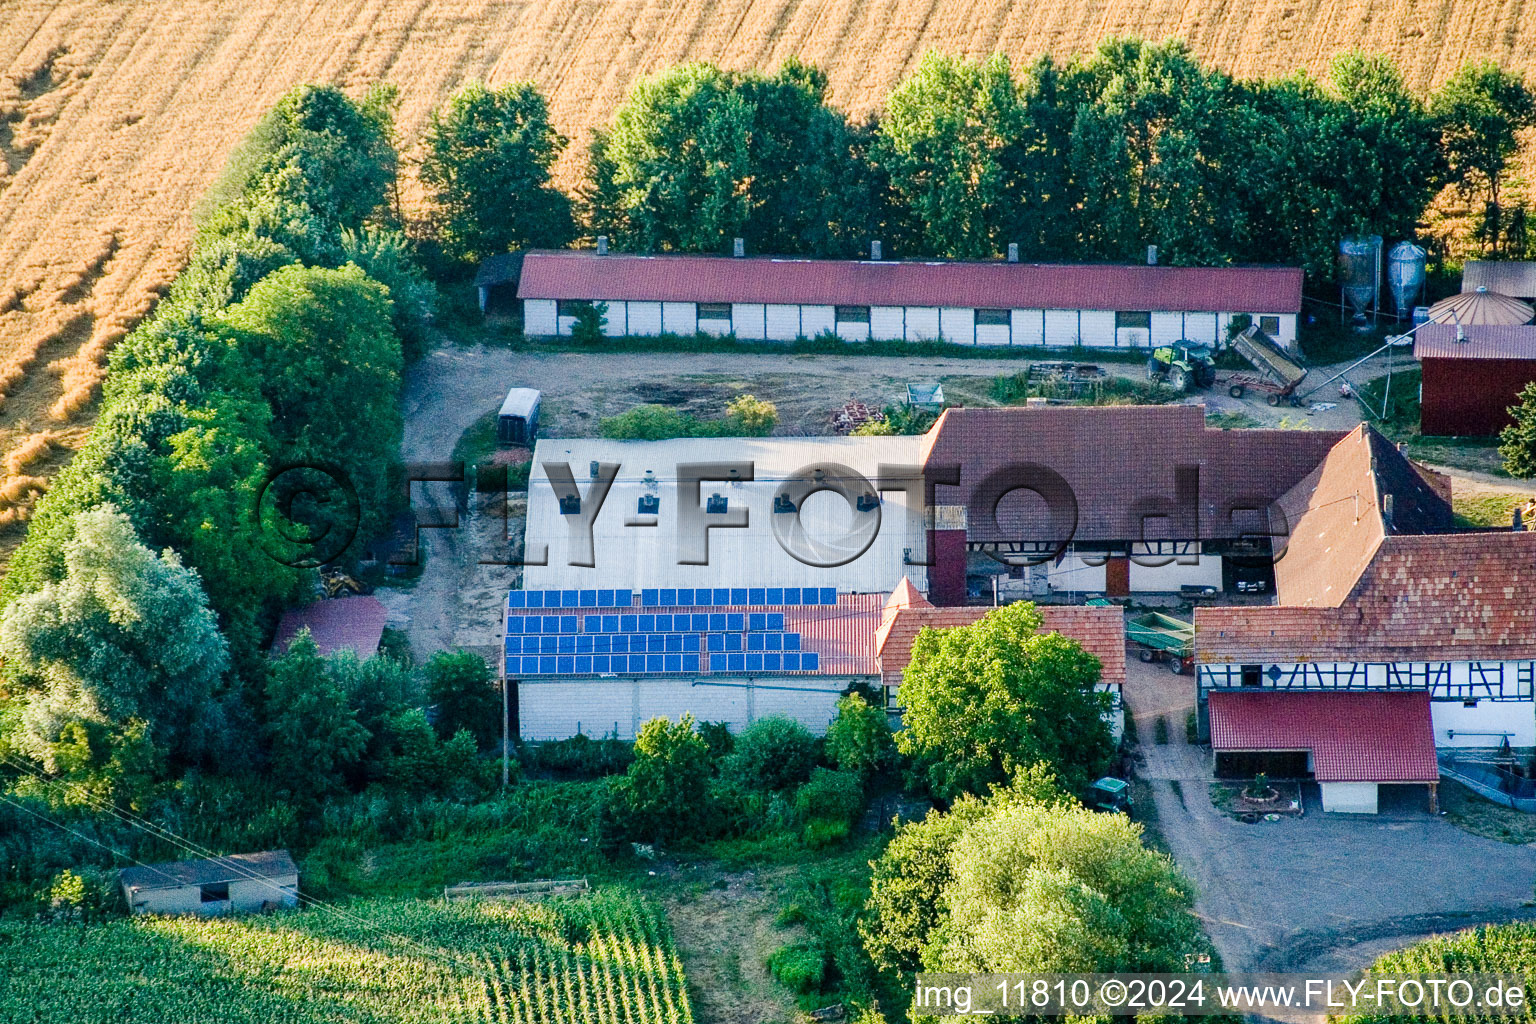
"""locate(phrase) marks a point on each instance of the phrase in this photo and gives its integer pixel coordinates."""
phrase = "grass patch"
(1401, 423)
(1146, 815)
(1192, 727)
(478, 442)
(1327, 340)
(1160, 730)
(1469, 811)
(1224, 797)
(1231, 421)
(1487, 509)
(1017, 388)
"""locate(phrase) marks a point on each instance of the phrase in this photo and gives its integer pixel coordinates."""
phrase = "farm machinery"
(1182, 366)
(1160, 637)
(1275, 374)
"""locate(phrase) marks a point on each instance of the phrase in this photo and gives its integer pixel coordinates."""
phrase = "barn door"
(1117, 577)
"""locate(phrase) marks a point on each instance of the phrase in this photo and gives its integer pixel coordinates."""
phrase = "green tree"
(1046, 888)
(1518, 440)
(986, 699)
(591, 325)
(488, 155)
(459, 684)
(313, 736)
(697, 156)
(385, 255)
(1480, 113)
(320, 346)
(859, 739)
(773, 754)
(953, 140)
(749, 416)
(665, 792)
(124, 637)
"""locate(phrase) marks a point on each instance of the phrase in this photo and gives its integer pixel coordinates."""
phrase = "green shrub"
(773, 754)
(591, 323)
(820, 832)
(801, 967)
(830, 796)
(580, 757)
(859, 740)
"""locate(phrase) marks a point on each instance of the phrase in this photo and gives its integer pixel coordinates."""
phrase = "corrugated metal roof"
(352, 623)
(1353, 737)
(520, 402)
(1507, 277)
(571, 274)
(233, 868)
(1482, 341)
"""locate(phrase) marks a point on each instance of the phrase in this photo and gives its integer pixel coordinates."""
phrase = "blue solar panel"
(754, 662)
(549, 644)
(771, 662)
(517, 599)
(514, 623)
(565, 666)
(570, 598)
(627, 623)
(646, 624)
(754, 641)
(650, 598)
(605, 599)
(583, 664)
(829, 595)
(685, 597)
(591, 623)
(600, 663)
(534, 599)
(722, 595)
(757, 620)
(568, 623)
(738, 595)
(623, 598)
(546, 665)
(808, 661)
(791, 641)
(791, 662)
(567, 645)
(690, 663)
(584, 644)
(735, 662)
(736, 621)
(588, 599)
(756, 595)
(791, 595)
(775, 595)
(668, 597)
(776, 620)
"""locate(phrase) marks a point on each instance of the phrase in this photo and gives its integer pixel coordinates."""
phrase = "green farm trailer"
(1160, 637)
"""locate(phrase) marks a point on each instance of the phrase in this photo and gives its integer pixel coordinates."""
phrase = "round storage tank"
(1357, 272)
(1405, 274)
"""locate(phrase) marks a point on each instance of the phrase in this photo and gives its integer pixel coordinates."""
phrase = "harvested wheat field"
(115, 116)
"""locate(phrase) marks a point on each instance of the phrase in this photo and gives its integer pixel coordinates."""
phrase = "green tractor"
(1182, 366)
(1110, 795)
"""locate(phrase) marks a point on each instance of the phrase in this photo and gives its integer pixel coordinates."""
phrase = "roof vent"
(1151, 255)
(1387, 501)
(1013, 252)
(602, 245)
(1461, 334)
(738, 247)
(874, 249)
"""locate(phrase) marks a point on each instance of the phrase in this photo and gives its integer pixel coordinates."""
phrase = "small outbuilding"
(240, 882)
(496, 283)
(341, 623)
(518, 422)
(1472, 375)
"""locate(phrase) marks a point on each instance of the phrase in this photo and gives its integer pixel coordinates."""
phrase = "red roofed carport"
(1352, 742)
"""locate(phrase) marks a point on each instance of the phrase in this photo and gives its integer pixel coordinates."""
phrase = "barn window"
(992, 318)
(714, 311)
(217, 892)
(852, 314)
(571, 307)
(1138, 318)
(1250, 675)
(1270, 325)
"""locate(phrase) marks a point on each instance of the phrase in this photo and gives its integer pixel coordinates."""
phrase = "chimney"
(1013, 252)
(1387, 503)
(1461, 335)
(738, 247)
(874, 249)
(1517, 523)
(1151, 255)
(602, 245)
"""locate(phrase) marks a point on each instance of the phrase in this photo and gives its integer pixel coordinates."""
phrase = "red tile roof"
(571, 274)
(353, 623)
(1458, 597)
(1353, 737)
(1120, 463)
(1100, 630)
(1482, 341)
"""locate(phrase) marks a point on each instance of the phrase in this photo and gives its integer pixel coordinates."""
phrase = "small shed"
(341, 623)
(496, 283)
(1472, 376)
(240, 882)
(518, 422)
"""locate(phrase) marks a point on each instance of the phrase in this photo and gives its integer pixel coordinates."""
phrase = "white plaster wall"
(1200, 327)
(993, 334)
(553, 709)
(922, 323)
(783, 322)
(1349, 797)
(1076, 574)
(644, 318)
(815, 320)
(1098, 328)
(717, 328)
(747, 319)
(679, 317)
(957, 324)
(618, 319)
(1028, 326)
(539, 317)
(1206, 572)
(1061, 328)
(1489, 716)
(886, 323)
(850, 331)
(1167, 328)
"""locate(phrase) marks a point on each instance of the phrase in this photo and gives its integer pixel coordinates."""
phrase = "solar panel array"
(570, 641)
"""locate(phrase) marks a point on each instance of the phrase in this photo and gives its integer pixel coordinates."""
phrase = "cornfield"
(115, 117)
(602, 959)
(1508, 949)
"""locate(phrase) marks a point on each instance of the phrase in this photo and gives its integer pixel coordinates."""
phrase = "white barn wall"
(556, 709)
(747, 318)
(922, 323)
(1167, 328)
(957, 325)
(714, 327)
(851, 331)
(1205, 573)
(816, 320)
(539, 317)
(1076, 574)
(1061, 329)
(782, 322)
(1349, 797)
(887, 323)
(644, 318)
(1200, 327)
(1098, 328)
(618, 319)
(679, 317)
(1515, 717)
(993, 334)
(1028, 326)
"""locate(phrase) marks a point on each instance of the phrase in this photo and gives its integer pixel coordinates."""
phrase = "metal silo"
(1405, 275)
(1360, 273)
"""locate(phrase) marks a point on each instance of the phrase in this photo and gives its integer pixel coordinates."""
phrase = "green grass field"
(601, 959)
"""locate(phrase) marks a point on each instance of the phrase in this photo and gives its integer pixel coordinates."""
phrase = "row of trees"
(253, 416)
(1091, 158)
